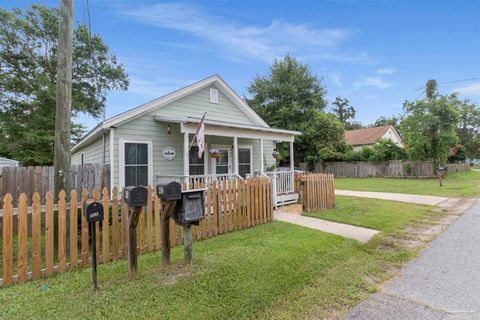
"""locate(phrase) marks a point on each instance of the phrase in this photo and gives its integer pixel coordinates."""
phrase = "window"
(213, 95)
(244, 162)
(136, 164)
(196, 166)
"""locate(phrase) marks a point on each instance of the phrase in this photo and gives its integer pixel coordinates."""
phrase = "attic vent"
(213, 95)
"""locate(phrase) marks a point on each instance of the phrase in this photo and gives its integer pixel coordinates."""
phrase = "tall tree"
(468, 127)
(289, 97)
(385, 121)
(428, 128)
(28, 58)
(345, 113)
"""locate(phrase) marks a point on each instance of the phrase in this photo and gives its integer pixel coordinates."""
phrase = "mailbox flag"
(201, 138)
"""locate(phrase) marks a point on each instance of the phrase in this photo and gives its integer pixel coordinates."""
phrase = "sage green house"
(151, 143)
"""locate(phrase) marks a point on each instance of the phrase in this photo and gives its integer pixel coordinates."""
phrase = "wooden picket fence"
(32, 252)
(317, 191)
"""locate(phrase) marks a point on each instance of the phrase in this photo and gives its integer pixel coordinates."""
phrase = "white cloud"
(252, 41)
(386, 71)
(472, 89)
(336, 78)
(376, 82)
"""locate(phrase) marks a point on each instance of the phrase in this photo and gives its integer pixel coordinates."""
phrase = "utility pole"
(63, 104)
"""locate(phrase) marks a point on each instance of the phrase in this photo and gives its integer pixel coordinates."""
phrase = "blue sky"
(376, 53)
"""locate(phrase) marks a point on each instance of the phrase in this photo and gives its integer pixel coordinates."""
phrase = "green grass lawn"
(387, 216)
(276, 270)
(463, 184)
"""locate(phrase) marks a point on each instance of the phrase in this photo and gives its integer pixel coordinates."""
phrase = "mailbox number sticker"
(169, 153)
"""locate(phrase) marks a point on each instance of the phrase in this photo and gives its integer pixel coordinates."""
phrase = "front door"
(223, 165)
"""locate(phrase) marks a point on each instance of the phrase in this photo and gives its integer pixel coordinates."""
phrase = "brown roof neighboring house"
(369, 136)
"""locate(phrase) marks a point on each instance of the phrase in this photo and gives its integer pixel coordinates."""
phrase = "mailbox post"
(136, 199)
(169, 194)
(190, 210)
(93, 211)
(441, 170)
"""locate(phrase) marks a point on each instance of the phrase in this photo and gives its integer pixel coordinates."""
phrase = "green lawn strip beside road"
(276, 270)
(383, 215)
(463, 184)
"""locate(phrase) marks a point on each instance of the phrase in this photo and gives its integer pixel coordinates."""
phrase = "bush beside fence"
(32, 252)
(317, 191)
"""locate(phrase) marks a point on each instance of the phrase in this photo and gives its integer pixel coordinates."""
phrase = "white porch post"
(235, 155)
(292, 163)
(185, 157)
(292, 167)
(261, 156)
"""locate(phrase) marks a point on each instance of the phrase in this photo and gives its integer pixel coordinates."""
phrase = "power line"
(92, 53)
(447, 82)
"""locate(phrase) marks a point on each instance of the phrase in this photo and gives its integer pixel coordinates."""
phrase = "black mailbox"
(442, 168)
(190, 209)
(93, 210)
(169, 191)
(135, 196)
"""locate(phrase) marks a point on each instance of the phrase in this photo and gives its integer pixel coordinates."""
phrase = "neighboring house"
(150, 143)
(369, 136)
(4, 162)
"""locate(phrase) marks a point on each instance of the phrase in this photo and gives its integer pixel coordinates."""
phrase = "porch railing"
(197, 179)
(283, 187)
(284, 181)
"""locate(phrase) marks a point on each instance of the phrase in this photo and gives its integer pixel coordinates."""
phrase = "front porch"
(245, 151)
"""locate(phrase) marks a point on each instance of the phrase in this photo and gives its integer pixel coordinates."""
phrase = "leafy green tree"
(468, 127)
(291, 97)
(385, 121)
(385, 150)
(428, 128)
(323, 139)
(345, 113)
(355, 156)
(28, 58)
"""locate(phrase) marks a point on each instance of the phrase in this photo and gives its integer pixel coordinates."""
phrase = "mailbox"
(169, 191)
(93, 210)
(190, 209)
(442, 168)
(135, 196)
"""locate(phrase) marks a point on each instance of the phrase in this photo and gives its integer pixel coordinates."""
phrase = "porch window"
(196, 165)
(136, 164)
(244, 162)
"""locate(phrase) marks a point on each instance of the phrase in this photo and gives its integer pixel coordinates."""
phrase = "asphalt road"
(442, 283)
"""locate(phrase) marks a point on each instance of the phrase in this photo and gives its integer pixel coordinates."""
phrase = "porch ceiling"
(230, 129)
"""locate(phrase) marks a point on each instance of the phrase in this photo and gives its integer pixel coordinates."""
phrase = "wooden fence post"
(73, 229)
(7, 239)
(22, 238)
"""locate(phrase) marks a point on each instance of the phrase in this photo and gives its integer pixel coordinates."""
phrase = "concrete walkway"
(345, 230)
(410, 198)
(443, 283)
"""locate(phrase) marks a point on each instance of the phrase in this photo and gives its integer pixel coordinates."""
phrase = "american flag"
(201, 137)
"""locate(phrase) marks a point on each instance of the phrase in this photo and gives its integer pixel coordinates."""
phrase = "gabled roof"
(170, 97)
(367, 136)
(8, 161)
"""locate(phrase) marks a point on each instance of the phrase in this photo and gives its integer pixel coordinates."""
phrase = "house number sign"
(169, 153)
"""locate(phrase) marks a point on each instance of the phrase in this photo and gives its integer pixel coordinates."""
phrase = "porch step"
(291, 208)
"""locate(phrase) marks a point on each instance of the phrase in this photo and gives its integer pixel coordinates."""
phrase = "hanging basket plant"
(276, 155)
(215, 153)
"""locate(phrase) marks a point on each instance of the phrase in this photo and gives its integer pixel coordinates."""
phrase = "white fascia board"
(187, 120)
(238, 132)
(97, 131)
(239, 102)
